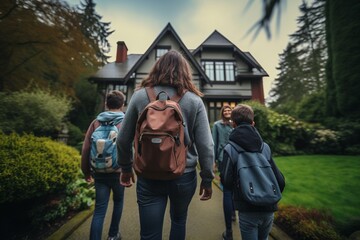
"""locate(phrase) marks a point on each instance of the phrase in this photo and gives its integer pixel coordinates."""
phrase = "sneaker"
(227, 235)
(117, 237)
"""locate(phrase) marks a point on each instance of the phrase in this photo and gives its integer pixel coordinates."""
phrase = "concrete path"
(205, 219)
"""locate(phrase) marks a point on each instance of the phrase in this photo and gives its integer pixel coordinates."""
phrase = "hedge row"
(32, 167)
(289, 136)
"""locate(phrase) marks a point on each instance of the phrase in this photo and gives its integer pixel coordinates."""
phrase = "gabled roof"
(216, 40)
(115, 71)
(168, 29)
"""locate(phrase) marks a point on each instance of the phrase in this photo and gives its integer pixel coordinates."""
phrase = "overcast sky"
(139, 22)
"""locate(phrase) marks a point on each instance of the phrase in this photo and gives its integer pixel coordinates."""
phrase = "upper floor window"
(161, 51)
(222, 71)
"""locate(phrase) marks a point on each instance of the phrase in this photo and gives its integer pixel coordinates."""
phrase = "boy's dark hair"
(115, 99)
(242, 113)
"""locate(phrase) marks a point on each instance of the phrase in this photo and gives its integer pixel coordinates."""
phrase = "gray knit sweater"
(197, 131)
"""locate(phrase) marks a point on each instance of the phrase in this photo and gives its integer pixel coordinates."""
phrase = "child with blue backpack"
(98, 163)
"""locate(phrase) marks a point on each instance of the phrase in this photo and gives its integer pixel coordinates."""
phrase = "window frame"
(158, 48)
(218, 71)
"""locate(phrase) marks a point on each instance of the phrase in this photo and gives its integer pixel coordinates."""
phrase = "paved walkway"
(205, 219)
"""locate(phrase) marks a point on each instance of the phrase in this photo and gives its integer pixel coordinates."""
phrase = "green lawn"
(323, 182)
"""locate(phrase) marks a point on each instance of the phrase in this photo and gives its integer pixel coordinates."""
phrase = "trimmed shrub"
(282, 132)
(76, 137)
(36, 112)
(32, 167)
(306, 224)
(288, 136)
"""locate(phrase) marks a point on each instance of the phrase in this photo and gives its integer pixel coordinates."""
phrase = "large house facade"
(221, 71)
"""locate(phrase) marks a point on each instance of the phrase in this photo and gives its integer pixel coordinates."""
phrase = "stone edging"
(69, 227)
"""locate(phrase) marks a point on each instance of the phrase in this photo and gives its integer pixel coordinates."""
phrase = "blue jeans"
(152, 196)
(103, 187)
(255, 225)
(228, 207)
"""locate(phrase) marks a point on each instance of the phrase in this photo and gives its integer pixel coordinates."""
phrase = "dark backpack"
(255, 178)
(160, 150)
(103, 148)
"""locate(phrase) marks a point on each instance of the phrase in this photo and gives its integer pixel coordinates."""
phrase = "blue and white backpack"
(103, 148)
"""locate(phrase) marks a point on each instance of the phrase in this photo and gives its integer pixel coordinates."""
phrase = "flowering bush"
(306, 224)
(287, 135)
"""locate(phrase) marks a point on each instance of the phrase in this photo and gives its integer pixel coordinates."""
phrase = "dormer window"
(161, 51)
(220, 71)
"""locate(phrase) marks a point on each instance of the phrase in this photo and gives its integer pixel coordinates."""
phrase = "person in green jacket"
(220, 133)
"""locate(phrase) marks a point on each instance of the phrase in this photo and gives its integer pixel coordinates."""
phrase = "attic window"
(161, 51)
(220, 71)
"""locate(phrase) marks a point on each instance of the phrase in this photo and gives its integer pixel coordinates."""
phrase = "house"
(221, 71)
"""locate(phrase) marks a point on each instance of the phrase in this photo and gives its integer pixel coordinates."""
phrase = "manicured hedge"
(32, 167)
(289, 136)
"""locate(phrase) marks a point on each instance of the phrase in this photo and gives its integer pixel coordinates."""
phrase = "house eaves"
(115, 72)
(261, 70)
(188, 55)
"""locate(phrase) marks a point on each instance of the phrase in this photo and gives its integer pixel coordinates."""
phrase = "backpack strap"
(240, 149)
(150, 91)
(176, 97)
(236, 146)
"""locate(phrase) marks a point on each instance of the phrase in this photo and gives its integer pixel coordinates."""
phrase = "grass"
(325, 182)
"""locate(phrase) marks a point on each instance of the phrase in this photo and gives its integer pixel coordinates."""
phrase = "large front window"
(221, 71)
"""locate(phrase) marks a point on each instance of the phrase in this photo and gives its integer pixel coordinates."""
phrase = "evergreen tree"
(343, 85)
(343, 39)
(302, 64)
(288, 87)
(95, 30)
(310, 38)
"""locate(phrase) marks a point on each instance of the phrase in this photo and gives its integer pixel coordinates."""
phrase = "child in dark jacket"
(255, 221)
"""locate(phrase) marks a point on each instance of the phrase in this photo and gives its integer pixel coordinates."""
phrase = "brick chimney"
(121, 53)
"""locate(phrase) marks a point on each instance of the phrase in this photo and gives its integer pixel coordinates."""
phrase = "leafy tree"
(41, 43)
(311, 107)
(85, 104)
(95, 30)
(36, 112)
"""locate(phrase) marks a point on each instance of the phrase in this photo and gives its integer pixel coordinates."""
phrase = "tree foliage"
(41, 42)
(36, 112)
(343, 85)
(343, 53)
(268, 8)
(302, 64)
(95, 30)
(50, 45)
